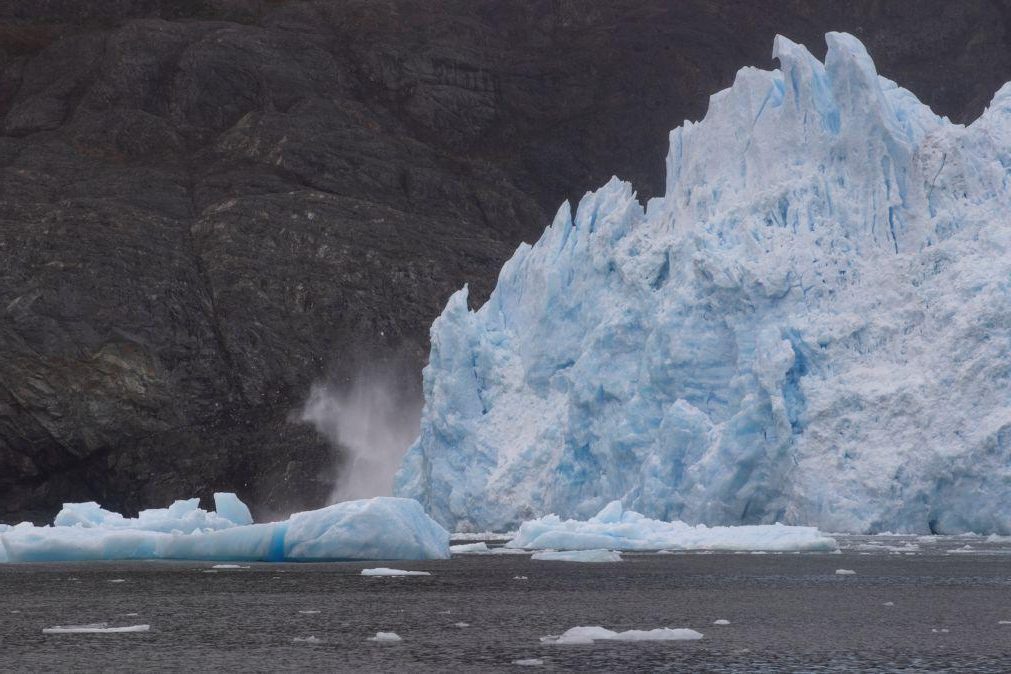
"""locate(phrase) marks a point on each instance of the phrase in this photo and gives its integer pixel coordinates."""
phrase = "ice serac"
(377, 528)
(810, 327)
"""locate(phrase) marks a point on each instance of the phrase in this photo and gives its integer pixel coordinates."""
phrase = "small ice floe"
(721, 621)
(130, 615)
(889, 603)
(845, 572)
(308, 640)
(215, 571)
(94, 628)
(529, 662)
(1004, 622)
(508, 551)
(311, 612)
(229, 566)
(461, 624)
(965, 549)
(997, 538)
(383, 571)
(519, 577)
(943, 630)
(118, 580)
(470, 549)
(588, 635)
(589, 556)
(387, 637)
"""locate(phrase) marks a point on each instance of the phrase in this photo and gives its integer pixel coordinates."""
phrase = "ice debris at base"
(229, 566)
(529, 662)
(721, 621)
(386, 636)
(808, 327)
(461, 625)
(95, 628)
(588, 635)
(618, 529)
(383, 571)
(589, 556)
(312, 612)
(845, 572)
(469, 548)
(377, 528)
(483, 536)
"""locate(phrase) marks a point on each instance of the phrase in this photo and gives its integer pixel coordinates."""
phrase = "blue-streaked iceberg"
(377, 528)
(812, 326)
(614, 528)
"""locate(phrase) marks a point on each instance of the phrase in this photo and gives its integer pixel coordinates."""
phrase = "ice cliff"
(812, 326)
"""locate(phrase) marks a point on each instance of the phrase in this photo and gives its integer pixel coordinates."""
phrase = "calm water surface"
(788, 613)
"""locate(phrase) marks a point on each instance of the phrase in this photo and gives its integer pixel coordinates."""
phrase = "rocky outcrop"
(207, 206)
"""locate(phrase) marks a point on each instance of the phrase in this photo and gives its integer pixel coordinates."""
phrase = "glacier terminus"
(812, 326)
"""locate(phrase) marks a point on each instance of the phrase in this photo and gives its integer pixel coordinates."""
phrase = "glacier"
(376, 528)
(615, 528)
(811, 326)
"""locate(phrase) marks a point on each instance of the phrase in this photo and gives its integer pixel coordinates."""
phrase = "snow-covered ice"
(388, 637)
(618, 529)
(588, 556)
(377, 528)
(808, 327)
(588, 635)
(529, 662)
(383, 571)
(721, 621)
(845, 572)
(95, 628)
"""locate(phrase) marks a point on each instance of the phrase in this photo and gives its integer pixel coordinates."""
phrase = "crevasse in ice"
(812, 326)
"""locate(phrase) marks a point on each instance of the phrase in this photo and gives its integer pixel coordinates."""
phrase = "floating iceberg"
(616, 529)
(378, 528)
(810, 327)
(586, 556)
(95, 628)
(588, 635)
(383, 571)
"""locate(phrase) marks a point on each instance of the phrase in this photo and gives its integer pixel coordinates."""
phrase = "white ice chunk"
(383, 571)
(529, 662)
(308, 640)
(461, 624)
(229, 566)
(469, 548)
(595, 556)
(388, 637)
(94, 628)
(628, 530)
(845, 572)
(721, 621)
(588, 635)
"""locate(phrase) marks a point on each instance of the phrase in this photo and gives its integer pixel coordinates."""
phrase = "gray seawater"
(788, 612)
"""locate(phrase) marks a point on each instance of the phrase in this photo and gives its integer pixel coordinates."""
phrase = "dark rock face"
(206, 206)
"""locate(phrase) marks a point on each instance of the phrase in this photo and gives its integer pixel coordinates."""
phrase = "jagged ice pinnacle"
(812, 326)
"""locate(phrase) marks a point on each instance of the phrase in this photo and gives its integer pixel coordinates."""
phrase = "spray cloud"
(372, 420)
